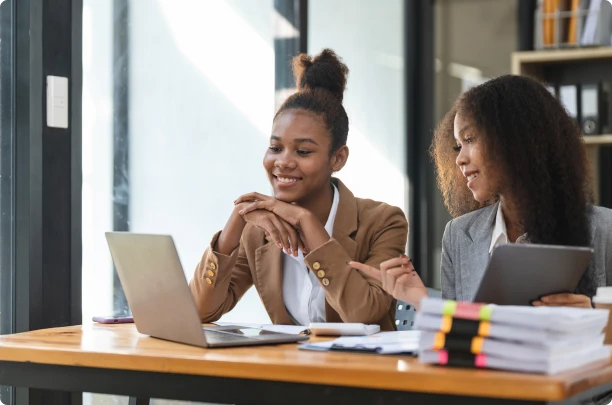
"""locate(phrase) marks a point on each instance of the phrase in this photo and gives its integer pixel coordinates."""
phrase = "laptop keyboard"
(213, 337)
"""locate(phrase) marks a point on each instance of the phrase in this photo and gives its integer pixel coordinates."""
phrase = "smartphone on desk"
(113, 319)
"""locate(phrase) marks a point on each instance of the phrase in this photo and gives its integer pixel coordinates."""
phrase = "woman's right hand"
(284, 235)
(398, 278)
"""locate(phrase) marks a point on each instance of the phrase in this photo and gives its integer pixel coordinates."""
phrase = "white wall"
(368, 35)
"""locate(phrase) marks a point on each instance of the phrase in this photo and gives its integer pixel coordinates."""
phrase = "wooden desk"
(116, 359)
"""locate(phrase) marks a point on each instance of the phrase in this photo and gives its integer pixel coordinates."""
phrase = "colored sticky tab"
(447, 324)
(477, 344)
(484, 328)
(480, 360)
(439, 341)
(442, 357)
(468, 310)
(486, 312)
(449, 308)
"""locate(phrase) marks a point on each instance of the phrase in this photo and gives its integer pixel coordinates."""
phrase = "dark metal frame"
(230, 390)
(7, 162)
(525, 13)
(419, 65)
(47, 176)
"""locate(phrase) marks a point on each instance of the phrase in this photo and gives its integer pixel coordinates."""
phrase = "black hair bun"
(324, 71)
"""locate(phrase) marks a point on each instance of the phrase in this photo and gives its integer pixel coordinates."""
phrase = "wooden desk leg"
(138, 401)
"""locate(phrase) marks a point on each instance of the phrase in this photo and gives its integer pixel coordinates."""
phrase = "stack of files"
(546, 340)
(401, 342)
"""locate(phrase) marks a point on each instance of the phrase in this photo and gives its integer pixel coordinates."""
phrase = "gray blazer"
(466, 242)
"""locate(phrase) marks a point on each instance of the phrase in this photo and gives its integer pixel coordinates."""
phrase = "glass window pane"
(374, 99)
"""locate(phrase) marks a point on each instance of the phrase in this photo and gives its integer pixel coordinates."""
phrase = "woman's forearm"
(229, 239)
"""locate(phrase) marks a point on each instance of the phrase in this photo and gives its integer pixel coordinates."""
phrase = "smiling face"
(297, 161)
(471, 160)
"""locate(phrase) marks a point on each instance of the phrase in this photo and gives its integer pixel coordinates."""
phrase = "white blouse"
(303, 295)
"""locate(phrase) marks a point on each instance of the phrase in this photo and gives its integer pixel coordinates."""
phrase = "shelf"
(526, 58)
(598, 140)
(563, 55)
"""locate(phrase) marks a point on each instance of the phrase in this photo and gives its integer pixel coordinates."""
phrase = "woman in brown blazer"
(294, 246)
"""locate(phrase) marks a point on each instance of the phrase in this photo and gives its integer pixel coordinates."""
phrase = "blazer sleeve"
(220, 281)
(353, 295)
(447, 271)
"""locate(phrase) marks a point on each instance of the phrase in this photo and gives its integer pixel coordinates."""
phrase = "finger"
(368, 270)
(303, 246)
(563, 298)
(558, 303)
(402, 280)
(251, 197)
(284, 235)
(395, 262)
(293, 238)
(392, 276)
(563, 304)
(273, 232)
(257, 205)
(406, 260)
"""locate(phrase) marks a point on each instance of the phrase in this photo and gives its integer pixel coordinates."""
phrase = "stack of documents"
(403, 342)
(545, 340)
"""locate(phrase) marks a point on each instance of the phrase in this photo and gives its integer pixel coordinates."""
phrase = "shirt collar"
(500, 233)
(331, 218)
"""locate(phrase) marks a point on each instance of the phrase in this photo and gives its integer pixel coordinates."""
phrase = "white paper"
(383, 342)
(289, 329)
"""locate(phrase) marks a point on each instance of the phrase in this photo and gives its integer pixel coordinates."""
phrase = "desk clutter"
(546, 340)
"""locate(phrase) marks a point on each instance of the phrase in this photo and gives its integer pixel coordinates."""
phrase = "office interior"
(170, 105)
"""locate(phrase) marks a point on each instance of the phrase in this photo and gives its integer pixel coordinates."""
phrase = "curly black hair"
(539, 151)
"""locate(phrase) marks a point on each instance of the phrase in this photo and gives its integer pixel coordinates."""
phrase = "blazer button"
(209, 281)
(325, 282)
(316, 266)
(212, 266)
(210, 273)
(321, 273)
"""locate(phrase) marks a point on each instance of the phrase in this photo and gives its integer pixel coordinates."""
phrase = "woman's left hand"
(290, 213)
(564, 300)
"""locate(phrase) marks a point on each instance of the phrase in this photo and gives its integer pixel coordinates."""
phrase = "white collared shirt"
(500, 232)
(303, 295)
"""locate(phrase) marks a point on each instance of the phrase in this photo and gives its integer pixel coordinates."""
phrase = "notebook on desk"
(159, 297)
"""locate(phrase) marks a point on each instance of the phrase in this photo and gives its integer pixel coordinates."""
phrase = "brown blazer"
(364, 230)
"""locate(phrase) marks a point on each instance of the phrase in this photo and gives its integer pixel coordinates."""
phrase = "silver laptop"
(518, 274)
(160, 299)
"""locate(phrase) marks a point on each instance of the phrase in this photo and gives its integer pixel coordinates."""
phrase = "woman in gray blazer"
(512, 168)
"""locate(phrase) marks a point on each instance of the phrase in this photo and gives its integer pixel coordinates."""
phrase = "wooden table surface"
(122, 347)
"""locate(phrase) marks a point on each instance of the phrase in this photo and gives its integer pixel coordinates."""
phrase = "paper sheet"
(380, 343)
